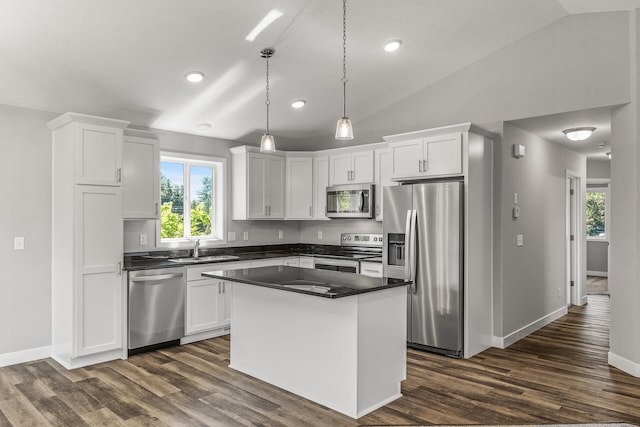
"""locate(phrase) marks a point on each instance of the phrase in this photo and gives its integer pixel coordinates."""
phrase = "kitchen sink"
(212, 258)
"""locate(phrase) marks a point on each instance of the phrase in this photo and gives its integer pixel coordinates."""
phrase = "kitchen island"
(337, 339)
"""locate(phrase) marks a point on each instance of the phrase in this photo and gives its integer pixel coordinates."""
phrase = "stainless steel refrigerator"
(423, 235)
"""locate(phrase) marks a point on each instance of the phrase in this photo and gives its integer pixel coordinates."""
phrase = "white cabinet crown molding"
(461, 127)
(67, 118)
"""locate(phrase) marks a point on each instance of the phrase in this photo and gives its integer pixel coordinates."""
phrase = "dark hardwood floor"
(557, 375)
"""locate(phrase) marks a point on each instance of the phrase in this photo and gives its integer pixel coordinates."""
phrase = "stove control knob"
(349, 238)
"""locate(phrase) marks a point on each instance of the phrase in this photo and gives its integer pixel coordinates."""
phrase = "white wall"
(598, 169)
(528, 278)
(25, 177)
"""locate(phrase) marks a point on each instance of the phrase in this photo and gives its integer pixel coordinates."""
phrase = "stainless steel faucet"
(196, 248)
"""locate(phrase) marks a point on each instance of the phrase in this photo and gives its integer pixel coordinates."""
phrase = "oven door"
(344, 265)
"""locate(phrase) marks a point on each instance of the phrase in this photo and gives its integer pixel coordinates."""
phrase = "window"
(596, 215)
(191, 198)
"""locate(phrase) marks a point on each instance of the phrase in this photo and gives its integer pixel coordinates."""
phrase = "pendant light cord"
(267, 101)
(344, 58)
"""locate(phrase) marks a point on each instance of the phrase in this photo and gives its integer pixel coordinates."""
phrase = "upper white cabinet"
(299, 187)
(320, 184)
(429, 156)
(258, 184)
(351, 168)
(87, 240)
(94, 145)
(382, 179)
(140, 176)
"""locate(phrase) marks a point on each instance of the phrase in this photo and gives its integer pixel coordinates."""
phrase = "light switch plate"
(319, 235)
(520, 240)
(18, 243)
(143, 239)
(280, 234)
(245, 235)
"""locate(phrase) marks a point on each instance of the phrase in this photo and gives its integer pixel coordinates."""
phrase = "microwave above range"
(350, 201)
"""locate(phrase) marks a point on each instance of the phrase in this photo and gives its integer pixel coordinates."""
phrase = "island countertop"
(320, 283)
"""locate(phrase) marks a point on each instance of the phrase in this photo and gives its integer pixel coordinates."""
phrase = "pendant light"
(344, 131)
(267, 143)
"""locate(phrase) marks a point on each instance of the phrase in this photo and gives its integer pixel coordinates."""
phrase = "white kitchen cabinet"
(351, 168)
(320, 184)
(371, 269)
(430, 156)
(293, 261)
(258, 182)
(306, 262)
(382, 179)
(266, 262)
(140, 177)
(87, 240)
(299, 188)
(205, 306)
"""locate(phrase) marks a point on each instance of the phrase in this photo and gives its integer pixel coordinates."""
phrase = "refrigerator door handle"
(412, 248)
(407, 244)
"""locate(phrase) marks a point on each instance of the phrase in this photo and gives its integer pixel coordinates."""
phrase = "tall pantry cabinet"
(87, 245)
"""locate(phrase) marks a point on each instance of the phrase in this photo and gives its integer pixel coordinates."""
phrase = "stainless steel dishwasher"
(156, 307)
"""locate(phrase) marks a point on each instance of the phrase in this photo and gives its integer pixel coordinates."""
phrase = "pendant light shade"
(267, 143)
(344, 130)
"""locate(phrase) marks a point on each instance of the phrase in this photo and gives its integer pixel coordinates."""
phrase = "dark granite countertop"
(160, 259)
(320, 283)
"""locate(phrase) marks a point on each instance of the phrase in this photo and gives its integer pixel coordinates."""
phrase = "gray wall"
(529, 280)
(597, 257)
(25, 174)
(598, 169)
(331, 229)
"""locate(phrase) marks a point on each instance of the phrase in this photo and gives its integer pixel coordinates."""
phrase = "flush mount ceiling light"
(579, 134)
(268, 19)
(267, 143)
(393, 45)
(299, 103)
(194, 76)
(204, 127)
(344, 130)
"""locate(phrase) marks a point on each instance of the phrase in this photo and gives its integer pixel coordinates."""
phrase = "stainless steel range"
(355, 247)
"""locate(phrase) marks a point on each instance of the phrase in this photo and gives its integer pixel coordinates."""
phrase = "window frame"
(599, 187)
(219, 199)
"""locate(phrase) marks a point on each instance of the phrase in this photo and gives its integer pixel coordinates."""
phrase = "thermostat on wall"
(518, 151)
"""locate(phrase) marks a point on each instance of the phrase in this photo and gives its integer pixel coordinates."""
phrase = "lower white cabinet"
(306, 262)
(205, 305)
(293, 261)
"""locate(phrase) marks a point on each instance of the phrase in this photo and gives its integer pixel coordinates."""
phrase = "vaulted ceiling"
(128, 59)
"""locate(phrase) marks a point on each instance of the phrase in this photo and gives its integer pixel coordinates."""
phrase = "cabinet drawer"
(372, 269)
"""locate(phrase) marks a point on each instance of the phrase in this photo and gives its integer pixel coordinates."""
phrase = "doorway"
(574, 238)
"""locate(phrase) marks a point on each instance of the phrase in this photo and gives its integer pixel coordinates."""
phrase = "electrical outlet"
(245, 235)
(18, 243)
(280, 234)
(143, 239)
(231, 236)
(319, 235)
(559, 291)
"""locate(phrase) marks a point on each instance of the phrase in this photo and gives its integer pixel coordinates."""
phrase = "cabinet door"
(299, 188)
(443, 155)
(382, 175)
(405, 158)
(340, 170)
(140, 178)
(362, 167)
(306, 262)
(291, 261)
(98, 155)
(203, 309)
(256, 185)
(98, 290)
(275, 190)
(371, 269)
(320, 184)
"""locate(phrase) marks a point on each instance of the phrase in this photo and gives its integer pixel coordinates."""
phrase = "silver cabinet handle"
(419, 165)
(224, 287)
(265, 210)
(219, 287)
(119, 175)
(156, 209)
(310, 211)
(269, 210)
(348, 175)
(120, 268)
(156, 278)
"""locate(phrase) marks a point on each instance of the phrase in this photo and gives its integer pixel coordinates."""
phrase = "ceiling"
(127, 59)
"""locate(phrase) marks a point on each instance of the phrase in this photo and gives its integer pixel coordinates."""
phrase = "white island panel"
(348, 354)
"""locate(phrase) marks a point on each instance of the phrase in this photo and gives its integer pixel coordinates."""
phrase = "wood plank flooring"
(597, 285)
(557, 375)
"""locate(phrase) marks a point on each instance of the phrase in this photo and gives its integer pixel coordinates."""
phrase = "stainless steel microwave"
(350, 201)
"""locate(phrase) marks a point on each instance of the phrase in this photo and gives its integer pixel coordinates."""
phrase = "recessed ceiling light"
(194, 76)
(268, 19)
(393, 45)
(204, 127)
(299, 103)
(579, 134)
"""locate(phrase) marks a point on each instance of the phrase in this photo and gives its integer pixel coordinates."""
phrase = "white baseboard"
(205, 335)
(598, 273)
(23, 356)
(624, 365)
(504, 342)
